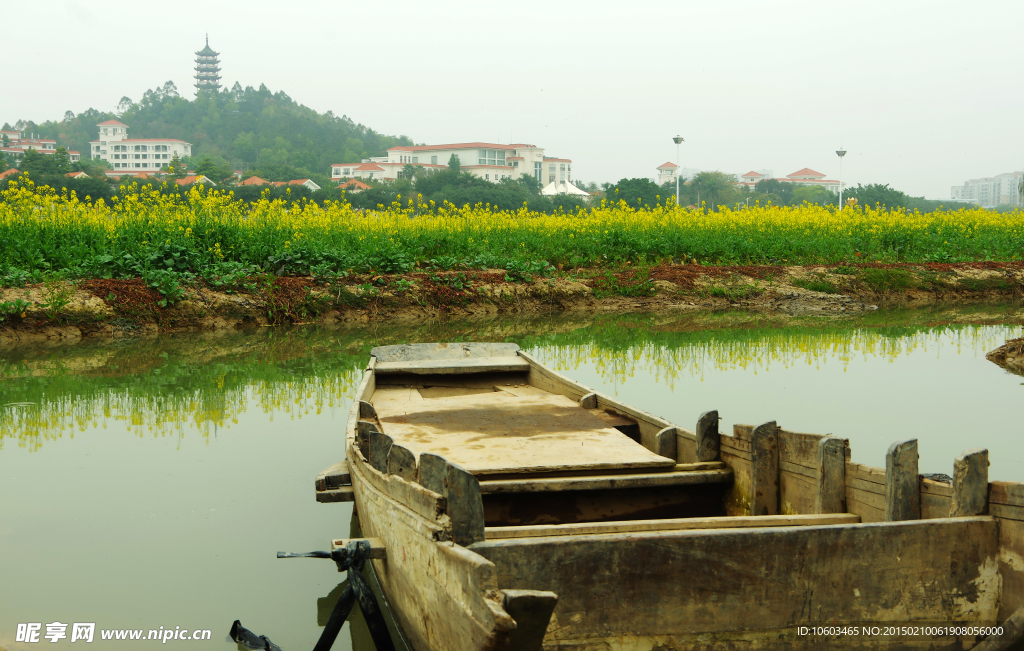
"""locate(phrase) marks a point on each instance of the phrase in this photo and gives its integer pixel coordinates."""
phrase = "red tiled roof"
(10, 172)
(346, 164)
(355, 184)
(192, 178)
(254, 180)
(667, 166)
(111, 123)
(76, 175)
(298, 181)
(805, 172)
(370, 167)
(751, 174)
(458, 145)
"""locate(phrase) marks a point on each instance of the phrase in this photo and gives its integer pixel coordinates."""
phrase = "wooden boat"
(510, 507)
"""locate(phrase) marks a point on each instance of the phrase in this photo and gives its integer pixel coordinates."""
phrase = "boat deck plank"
(499, 432)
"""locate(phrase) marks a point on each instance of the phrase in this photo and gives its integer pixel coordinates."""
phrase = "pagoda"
(207, 69)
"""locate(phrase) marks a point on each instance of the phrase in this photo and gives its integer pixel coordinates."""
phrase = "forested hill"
(247, 127)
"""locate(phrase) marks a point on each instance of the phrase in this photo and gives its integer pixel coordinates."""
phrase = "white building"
(668, 172)
(489, 161)
(1003, 189)
(804, 177)
(130, 155)
(14, 144)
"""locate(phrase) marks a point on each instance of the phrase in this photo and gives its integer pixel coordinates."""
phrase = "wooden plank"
(866, 512)
(743, 432)
(737, 501)
(332, 495)
(734, 443)
(970, 484)
(671, 524)
(606, 482)
(402, 462)
(797, 469)
(1011, 565)
(422, 501)
(708, 438)
(441, 351)
(1010, 632)
(380, 445)
(378, 550)
(937, 488)
(865, 473)
(686, 446)
(902, 486)
(665, 443)
(553, 381)
(433, 470)
(589, 401)
(830, 496)
(531, 609)
(366, 410)
(874, 500)
(455, 366)
(334, 477)
(443, 596)
(1006, 512)
(796, 494)
(499, 433)
(764, 449)
(700, 465)
(465, 505)
(882, 573)
(934, 506)
(867, 486)
(1006, 492)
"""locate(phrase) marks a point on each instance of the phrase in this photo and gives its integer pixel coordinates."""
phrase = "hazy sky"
(923, 95)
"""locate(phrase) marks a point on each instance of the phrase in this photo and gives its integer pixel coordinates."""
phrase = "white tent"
(564, 187)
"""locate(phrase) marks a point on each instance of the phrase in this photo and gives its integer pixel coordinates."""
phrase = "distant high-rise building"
(207, 69)
(989, 192)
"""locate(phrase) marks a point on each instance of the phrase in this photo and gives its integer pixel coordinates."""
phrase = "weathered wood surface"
(599, 482)
(830, 496)
(332, 495)
(434, 351)
(378, 550)
(970, 484)
(553, 381)
(671, 524)
(628, 585)
(402, 462)
(589, 401)
(665, 443)
(455, 366)
(708, 439)
(380, 446)
(737, 502)
(444, 596)
(764, 452)
(1011, 566)
(531, 609)
(936, 497)
(366, 410)
(692, 501)
(427, 503)
(902, 483)
(1012, 633)
(497, 432)
(1010, 493)
(334, 477)
(461, 492)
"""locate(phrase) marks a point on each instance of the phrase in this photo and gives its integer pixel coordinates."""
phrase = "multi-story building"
(805, 177)
(14, 144)
(489, 161)
(668, 173)
(207, 69)
(130, 155)
(1003, 189)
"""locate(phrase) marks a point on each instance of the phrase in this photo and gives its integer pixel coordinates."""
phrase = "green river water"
(150, 483)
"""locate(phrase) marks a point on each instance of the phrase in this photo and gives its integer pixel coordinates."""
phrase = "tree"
(454, 164)
(177, 168)
(61, 161)
(37, 165)
(3, 162)
(714, 188)
(637, 193)
(124, 105)
(214, 168)
(877, 194)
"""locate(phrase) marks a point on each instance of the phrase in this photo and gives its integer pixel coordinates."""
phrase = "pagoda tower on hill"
(207, 69)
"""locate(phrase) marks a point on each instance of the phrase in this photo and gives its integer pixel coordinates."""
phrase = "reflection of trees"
(177, 383)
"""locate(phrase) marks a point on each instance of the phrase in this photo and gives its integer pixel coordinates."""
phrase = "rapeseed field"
(41, 231)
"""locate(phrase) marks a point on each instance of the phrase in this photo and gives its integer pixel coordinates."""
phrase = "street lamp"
(841, 153)
(677, 140)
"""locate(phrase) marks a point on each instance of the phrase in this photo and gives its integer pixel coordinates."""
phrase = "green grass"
(887, 280)
(732, 292)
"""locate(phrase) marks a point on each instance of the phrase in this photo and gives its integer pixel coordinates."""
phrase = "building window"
(551, 178)
(415, 159)
(433, 160)
(347, 171)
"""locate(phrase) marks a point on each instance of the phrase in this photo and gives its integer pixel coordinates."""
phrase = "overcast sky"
(923, 95)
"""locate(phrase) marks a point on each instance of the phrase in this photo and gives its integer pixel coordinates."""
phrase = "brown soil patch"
(129, 297)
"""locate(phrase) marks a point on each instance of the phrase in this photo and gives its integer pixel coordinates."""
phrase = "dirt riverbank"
(107, 308)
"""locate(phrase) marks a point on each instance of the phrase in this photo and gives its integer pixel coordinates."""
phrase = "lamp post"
(677, 140)
(841, 152)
